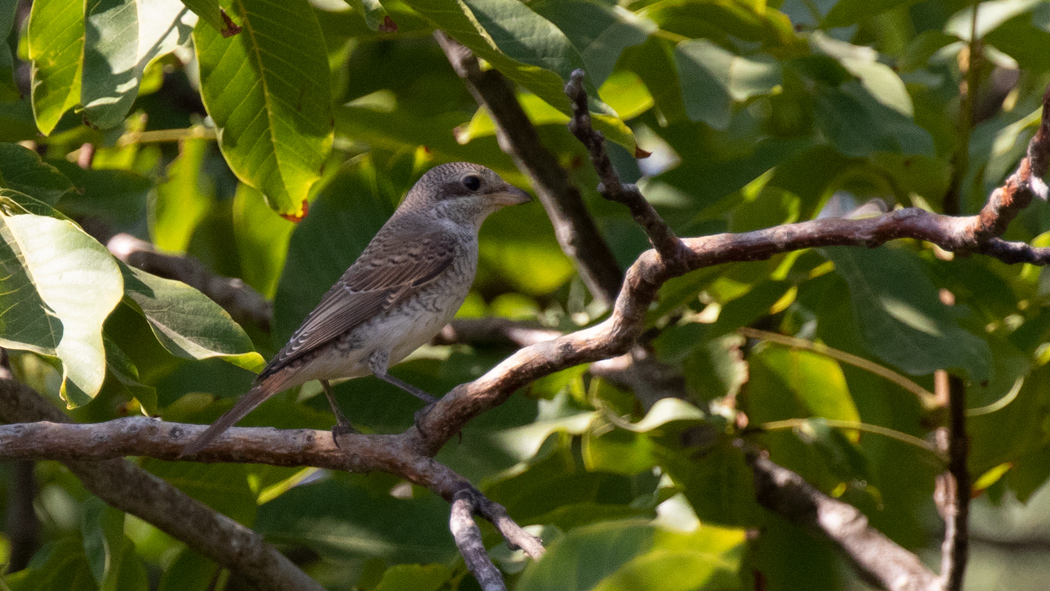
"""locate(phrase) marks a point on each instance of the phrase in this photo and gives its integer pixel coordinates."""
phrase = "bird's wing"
(385, 273)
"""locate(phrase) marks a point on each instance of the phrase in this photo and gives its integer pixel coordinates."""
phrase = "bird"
(404, 287)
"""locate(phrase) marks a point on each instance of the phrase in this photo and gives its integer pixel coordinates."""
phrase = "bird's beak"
(510, 195)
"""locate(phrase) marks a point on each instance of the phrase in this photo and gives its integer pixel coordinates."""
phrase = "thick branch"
(660, 234)
(874, 556)
(131, 489)
(575, 230)
(243, 303)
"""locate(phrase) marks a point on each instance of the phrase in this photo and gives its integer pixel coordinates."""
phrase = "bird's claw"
(342, 428)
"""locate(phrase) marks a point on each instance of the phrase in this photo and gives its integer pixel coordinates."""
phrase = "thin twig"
(660, 234)
(468, 540)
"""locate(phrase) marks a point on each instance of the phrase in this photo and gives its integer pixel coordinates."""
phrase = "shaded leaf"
(714, 79)
(22, 169)
(527, 48)
(901, 318)
(186, 322)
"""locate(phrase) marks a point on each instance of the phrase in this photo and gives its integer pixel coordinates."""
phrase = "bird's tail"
(256, 396)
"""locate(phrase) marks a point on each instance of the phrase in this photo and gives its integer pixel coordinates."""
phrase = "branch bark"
(135, 491)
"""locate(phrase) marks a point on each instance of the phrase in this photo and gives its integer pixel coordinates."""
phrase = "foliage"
(757, 114)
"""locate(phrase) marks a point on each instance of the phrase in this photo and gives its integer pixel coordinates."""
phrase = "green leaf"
(59, 566)
(268, 91)
(599, 31)
(418, 577)
(582, 558)
(709, 558)
(901, 318)
(223, 487)
(849, 12)
(8, 88)
(16, 121)
(990, 16)
(857, 125)
(189, 572)
(56, 42)
(878, 79)
(327, 518)
(121, 38)
(262, 240)
(58, 286)
(22, 169)
(717, 482)
(117, 196)
(527, 48)
(210, 12)
(713, 80)
(816, 380)
(183, 199)
(373, 12)
(110, 555)
(186, 322)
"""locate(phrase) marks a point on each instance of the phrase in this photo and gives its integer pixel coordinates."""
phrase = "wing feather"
(386, 272)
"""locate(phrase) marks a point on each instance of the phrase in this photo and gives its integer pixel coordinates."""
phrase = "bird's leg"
(377, 363)
(342, 425)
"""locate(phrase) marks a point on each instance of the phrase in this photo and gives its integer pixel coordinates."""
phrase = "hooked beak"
(510, 195)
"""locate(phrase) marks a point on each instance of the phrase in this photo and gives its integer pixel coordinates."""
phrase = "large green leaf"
(526, 47)
(186, 322)
(713, 79)
(22, 169)
(328, 517)
(120, 39)
(901, 317)
(58, 286)
(56, 42)
(268, 90)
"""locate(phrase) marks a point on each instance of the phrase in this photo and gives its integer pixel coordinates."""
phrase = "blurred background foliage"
(139, 117)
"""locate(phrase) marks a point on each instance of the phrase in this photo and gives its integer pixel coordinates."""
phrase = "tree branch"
(135, 491)
(874, 556)
(573, 226)
(660, 234)
(468, 540)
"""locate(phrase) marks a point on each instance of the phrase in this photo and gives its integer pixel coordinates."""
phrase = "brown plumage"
(405, 286)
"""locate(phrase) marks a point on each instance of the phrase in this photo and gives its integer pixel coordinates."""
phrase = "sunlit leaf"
(121, 37)
(269, 93)
(183, 199)
(56, 41)
(59, 285)
(186, 322)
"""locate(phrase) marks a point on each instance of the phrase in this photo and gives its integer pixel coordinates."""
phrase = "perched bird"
(406, 285)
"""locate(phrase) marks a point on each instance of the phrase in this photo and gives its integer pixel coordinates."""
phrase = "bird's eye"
(472, 182)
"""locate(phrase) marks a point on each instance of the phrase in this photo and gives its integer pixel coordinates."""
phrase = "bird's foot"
(422, 413)
(340, 429)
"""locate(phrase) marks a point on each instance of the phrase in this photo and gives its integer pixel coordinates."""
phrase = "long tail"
(256, 396)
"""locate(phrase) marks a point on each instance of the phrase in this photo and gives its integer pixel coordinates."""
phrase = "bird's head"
(463, 192)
